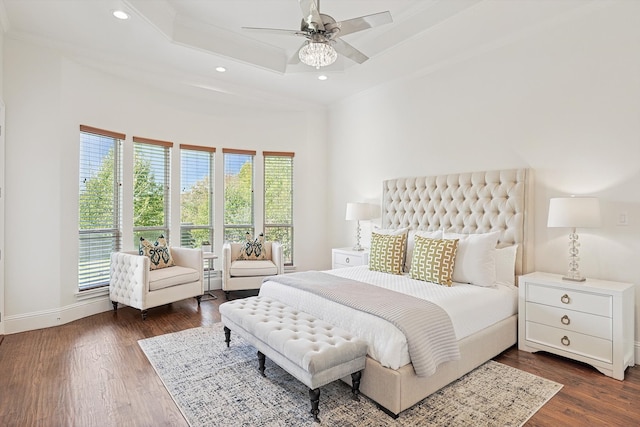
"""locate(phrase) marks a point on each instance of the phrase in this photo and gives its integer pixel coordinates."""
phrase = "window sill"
(92, 293)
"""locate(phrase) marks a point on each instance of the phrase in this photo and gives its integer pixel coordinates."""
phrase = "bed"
(471, 207)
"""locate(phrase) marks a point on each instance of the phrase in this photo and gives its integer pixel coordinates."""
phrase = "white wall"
(48, 96)
(563, 101)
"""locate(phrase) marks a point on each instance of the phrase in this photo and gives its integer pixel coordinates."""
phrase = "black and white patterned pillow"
(158, 252)
(253, 249)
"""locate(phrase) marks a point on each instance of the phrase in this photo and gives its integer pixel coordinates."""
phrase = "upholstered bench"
(311, 350)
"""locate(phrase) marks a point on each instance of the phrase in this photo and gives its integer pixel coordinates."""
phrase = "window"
(278, 201)
(238, 194)
(99, 204)
(150, 189)
(196, 195)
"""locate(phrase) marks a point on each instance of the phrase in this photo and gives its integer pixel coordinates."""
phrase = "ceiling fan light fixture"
(317, 54)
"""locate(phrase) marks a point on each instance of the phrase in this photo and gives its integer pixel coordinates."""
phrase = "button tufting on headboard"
(477, 202)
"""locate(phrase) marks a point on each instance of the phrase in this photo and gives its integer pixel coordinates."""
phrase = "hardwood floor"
(92, 372)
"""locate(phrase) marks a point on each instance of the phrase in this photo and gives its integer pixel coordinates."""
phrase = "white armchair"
(133, 283)
(248, 274)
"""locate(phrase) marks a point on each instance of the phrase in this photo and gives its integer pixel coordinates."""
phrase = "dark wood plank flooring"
(92, 372)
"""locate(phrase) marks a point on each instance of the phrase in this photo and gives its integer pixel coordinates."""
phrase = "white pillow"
(476, 258)
(506, 265)
(411, 243)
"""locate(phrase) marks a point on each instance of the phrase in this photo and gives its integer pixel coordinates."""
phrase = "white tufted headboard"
(477, 202)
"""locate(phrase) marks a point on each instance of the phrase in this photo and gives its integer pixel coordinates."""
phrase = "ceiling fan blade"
(362, 23)
(344, 48)
(295, 58)
(311, 14)
(275, 31)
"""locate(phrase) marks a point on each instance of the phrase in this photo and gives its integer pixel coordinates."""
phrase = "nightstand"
(592, 321)
(347, 257)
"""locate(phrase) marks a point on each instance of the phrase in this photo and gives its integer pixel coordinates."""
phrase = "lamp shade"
(574, 212)
(358, 211)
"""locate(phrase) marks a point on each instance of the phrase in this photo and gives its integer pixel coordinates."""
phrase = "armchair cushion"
(167, 277)
(253, 268)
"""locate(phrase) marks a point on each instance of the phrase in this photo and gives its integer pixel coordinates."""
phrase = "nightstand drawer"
(573, 342)
(570, 320)
(343, 258)
(570, 299)
(347, 260)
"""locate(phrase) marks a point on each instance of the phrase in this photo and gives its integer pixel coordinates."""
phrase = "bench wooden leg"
(261, 360)
(314, 395)
(227, 335)
(355, 385)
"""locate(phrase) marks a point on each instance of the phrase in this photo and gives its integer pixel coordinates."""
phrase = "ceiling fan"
(323, 35)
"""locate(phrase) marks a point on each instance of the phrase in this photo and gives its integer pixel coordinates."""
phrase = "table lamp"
(358, 212)
(574, 212)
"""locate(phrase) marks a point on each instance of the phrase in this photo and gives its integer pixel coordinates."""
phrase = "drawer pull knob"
(565, 299)
(347, 260)
(565, 341)
(565, 320)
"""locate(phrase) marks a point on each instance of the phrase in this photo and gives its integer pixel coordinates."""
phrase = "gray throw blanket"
(427, 327)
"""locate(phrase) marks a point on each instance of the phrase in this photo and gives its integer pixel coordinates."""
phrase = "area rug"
(218, 386)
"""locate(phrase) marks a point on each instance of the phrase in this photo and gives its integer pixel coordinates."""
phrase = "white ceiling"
(177, 44)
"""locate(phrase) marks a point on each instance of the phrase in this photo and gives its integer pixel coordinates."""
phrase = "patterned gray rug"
(218, 386)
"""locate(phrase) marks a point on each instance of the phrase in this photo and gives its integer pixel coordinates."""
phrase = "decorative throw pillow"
(411, 241)
(253, 249)
(158, 252)
(433, 260)
(387, 252)
(476, 258)
(395, 232)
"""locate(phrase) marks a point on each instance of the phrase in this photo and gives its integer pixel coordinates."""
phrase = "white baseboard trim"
(59, 316)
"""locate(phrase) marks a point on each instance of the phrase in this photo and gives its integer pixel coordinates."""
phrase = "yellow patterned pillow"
(387, 252)
(433, 260)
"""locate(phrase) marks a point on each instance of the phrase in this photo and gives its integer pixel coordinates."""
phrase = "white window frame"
(151, 233)
(96, 244)
(269, 225)
(187, 155)
(236, 231)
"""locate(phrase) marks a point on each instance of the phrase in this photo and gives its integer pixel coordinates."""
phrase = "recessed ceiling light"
(221, 69)
(120, 14)
(322, 77)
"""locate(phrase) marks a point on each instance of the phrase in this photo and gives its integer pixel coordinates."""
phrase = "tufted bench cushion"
(313, 351)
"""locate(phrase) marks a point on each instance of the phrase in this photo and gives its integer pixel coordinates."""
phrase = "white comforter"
(471, 308)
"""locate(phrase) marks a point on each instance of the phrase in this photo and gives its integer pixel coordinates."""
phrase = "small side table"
(208, 257)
